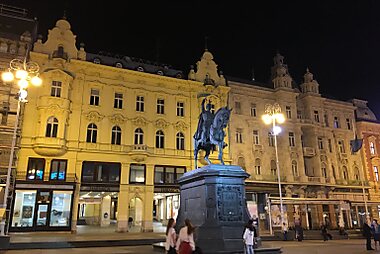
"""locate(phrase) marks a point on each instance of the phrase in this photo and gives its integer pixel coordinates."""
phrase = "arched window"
(356, 174)
(92, 132)
(116, 135)
(372, 148)
(241, 162)
(324, 170)
(294, 168)
(273, 167)
(52, 127)
(345, 173)
(160, 139)
(258, 166)
(139, 136)
(180, 141)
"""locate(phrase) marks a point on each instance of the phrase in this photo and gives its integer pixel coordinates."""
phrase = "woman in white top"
(171, 237)
(185, 242)
(249, 237)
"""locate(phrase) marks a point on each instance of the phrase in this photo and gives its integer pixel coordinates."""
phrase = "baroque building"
(17, 33)
(320, 177)
(105, 137)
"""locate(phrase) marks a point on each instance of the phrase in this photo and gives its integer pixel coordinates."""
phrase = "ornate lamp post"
(22, 72)
(274, 116)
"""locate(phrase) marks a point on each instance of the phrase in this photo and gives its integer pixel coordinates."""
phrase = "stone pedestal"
(213, 198)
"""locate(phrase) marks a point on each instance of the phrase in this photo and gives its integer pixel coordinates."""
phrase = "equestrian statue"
(210, 131)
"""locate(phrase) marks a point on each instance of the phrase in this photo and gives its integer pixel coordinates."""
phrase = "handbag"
(172, 250)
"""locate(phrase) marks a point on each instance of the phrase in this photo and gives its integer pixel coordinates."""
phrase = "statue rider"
(207, 117)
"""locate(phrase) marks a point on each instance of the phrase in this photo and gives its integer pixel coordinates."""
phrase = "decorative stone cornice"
(180, 126)
(94, 116)
(161, 123)
(139, 121)
(117, 119)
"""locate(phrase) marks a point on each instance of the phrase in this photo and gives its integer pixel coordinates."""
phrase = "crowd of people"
(370, 231)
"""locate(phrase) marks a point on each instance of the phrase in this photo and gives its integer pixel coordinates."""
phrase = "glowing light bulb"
(267, 119)
(36, 81)
(7, 76)
(276, 130)
(21, 74)
(280, 118)
(22, 83)
(23, 94)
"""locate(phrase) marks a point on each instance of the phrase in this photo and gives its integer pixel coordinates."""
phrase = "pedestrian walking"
(367, 233)
(171, 237)
(249, 237)
(185, 243)
(324, 232)
(299, 232)
(285, 231)
(376, 233)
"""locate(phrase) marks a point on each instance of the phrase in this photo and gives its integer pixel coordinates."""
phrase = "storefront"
(42, 207)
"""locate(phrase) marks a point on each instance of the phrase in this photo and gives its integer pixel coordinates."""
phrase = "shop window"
(100, 172)
(92, 132)
(180, 108)
(56, 87)
(51, 127)
(36, 168)
(139, 136)
(24, 206)
(167, 174)
(180, 141)
(94, 97)
(137, 174)
(116, 135)
(160, 139)
(160, 106)
(140, 103)
(60, 209)
(118, 101)
(58, 170)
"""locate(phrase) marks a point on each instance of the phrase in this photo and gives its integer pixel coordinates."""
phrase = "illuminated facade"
(321, 179)
(105, 137)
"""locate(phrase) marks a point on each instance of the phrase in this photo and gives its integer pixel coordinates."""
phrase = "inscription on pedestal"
(230, 207)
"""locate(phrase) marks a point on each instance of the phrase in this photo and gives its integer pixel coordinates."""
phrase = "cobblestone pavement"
(305, 247)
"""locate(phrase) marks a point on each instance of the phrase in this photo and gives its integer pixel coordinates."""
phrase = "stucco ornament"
(161, 123)
(180, 126)
(117, 119)
(139, 121)
(94, 116)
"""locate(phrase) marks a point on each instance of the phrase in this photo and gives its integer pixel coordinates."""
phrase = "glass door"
(42, 210)
(42, 215)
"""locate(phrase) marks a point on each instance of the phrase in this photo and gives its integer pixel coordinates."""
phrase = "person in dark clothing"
(325, 235)
(367, 234)
(299, 232)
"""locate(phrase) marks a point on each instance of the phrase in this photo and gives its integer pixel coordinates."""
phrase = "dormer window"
(96, 61)
(140, 69)
(179, 75)
(161, 73)
(119, 65)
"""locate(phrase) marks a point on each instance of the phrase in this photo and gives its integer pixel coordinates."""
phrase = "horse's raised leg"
(220, 156)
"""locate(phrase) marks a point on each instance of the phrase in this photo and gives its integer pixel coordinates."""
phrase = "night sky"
(338, 40)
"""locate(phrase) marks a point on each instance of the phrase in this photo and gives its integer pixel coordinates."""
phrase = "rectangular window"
(60, 209)
(56, 87)
(237, 108)
(336, 122)
(140, 103)
(256, 140)
(372, 149)
(137, 173)
(316, 116)
(100, 172)
(327, 120)
(36, 168)
(292, 141)
(24, 208)
(341, 146)
(320, 143)
(376, 171)
(238, 136)
(167, 174)
(253, 110)
(348, 123)
(160, 106)
(330, 146)
(270, 139)
(94, 98)
(180, 109)
(288, 112)
(58, 170)
(118, 101)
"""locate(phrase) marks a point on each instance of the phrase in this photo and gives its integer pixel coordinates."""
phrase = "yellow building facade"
(105, 138)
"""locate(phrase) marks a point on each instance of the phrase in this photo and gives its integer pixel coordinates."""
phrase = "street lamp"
(23, 72)
(273, 116)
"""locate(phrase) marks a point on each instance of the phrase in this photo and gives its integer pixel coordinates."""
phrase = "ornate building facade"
(321, 179)
(105, 137)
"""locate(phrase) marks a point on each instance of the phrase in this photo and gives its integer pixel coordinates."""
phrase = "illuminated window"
(116, 135)
(372, 148)
(36, 168)
(52, 127)
(137, 174)
(58, 170)
(376, 171)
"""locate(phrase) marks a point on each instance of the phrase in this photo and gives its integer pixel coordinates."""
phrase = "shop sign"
(99, 188)
(166, 190)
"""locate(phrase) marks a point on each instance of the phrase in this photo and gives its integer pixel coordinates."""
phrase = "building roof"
(133, 63)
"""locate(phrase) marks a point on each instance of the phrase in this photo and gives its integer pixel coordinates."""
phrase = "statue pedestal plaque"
(213, 198)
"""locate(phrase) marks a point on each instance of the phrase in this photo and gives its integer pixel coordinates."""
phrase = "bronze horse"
(215, 137)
